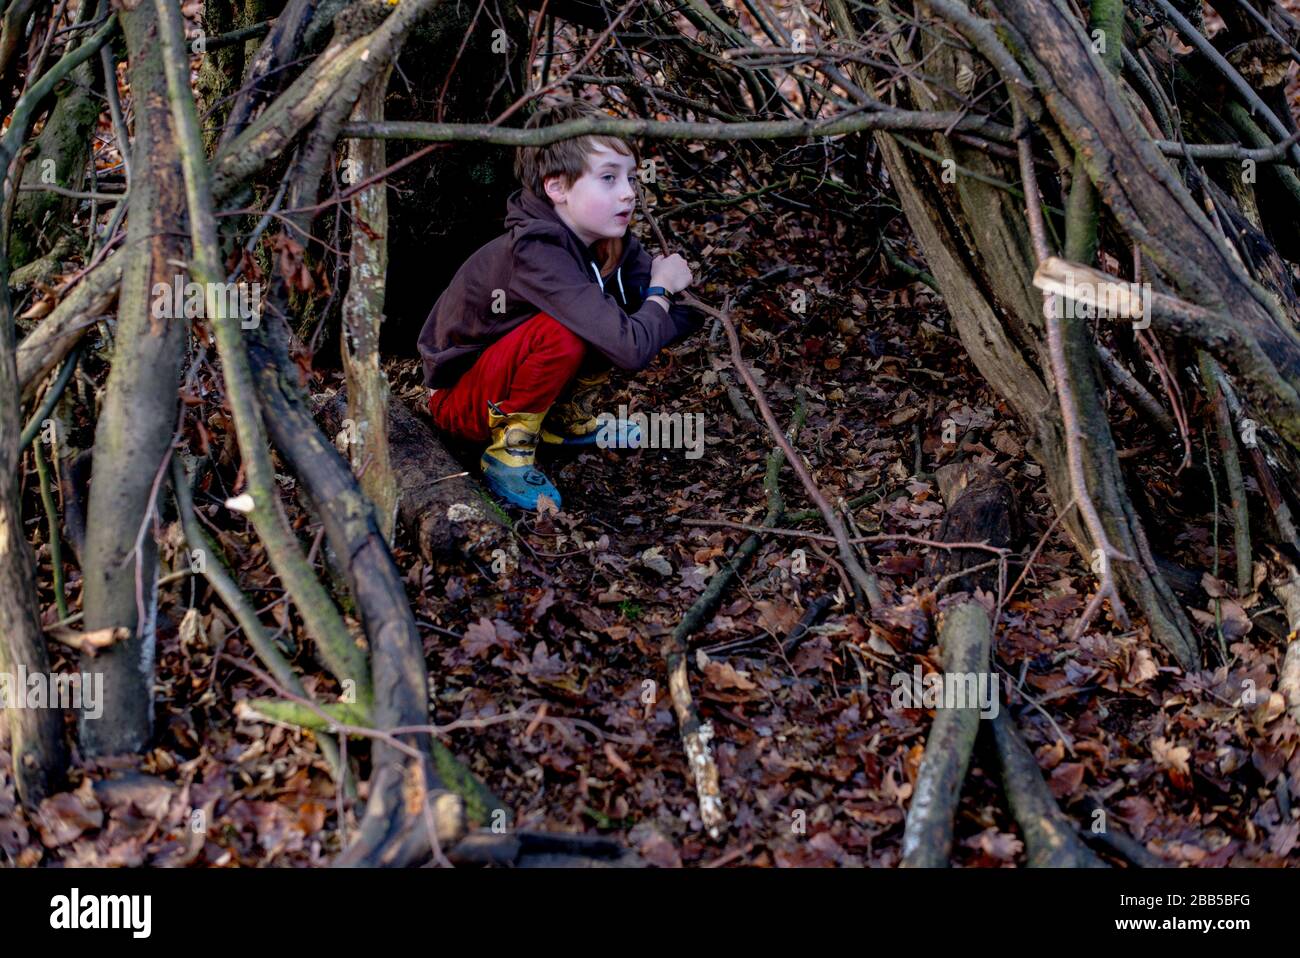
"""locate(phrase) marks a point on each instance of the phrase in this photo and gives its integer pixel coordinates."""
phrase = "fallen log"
(543, 850)
(980, 507)
(1050, 838)
(964, 638)
(1116, 841)
(446, 509)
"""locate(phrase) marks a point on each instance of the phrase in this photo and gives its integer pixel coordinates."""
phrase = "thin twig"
(823, 537)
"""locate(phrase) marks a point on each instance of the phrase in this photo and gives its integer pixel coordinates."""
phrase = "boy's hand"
(670, 272)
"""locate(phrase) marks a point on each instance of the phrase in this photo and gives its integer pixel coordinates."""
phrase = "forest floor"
(816, 763)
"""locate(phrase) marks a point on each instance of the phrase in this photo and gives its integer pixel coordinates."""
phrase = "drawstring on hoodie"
(618, 274)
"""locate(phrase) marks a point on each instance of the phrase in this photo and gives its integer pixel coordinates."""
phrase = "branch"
(45, 346)
(866, 589)
(1222, 420)
(336, 645)
(695, 737)
(1050, 838)
(1070, 414)
(1286, 586)
(340, 70)
(920, 120)
(24, 111)
(88, 643)
(965, 639)
(74, 194)
(214, 570)
(1229, 151)
(1115, 298)
(1235, 79)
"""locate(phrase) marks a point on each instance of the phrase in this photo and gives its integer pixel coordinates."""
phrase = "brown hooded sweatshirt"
(540, 265)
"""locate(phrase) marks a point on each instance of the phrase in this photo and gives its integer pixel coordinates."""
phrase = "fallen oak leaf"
(479, 637)
(1272, 708)
(1284, 838)
(1000, 845)
(485, 634)
(653, 559)
(1175, 760)
(654, 846)
(813, 655)
(543, 603)
(1232, 618)
(1144, 667)
(1066, 779)
(722, 676)
(777, 617)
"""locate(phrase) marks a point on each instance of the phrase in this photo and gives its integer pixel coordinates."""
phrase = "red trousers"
(524, 371)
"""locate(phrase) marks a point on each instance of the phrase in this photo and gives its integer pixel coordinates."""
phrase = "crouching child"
(517, 347)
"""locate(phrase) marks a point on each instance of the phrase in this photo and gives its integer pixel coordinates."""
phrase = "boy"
(524, 335)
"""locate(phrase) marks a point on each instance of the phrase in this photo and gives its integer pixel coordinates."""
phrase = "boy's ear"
(555, 189)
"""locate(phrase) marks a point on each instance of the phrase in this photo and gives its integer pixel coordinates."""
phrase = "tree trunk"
(363, 316)
(139, 415)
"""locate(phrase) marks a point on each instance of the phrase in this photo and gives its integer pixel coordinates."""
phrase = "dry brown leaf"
(63, 817)
(1003, 846)
(1144, 667)
(1169, 755)
(723, 676)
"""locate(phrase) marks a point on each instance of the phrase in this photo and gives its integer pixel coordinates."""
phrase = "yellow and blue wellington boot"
(573, 422)
(508, 462)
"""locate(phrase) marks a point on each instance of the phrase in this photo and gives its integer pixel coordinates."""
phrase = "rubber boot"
(509, 461)
(574, 423)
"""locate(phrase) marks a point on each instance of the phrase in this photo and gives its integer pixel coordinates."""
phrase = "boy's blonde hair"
(567, 158)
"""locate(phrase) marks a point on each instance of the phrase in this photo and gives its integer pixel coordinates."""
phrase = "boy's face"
(599, 203)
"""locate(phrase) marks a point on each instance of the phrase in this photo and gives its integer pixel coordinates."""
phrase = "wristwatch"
(658, 291)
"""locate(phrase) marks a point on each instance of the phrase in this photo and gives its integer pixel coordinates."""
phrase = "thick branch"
(45, 346)
(138, 415)
(680, 129)
(213, 567)
(337, 648)
(964, 639)
(1050, 838)
(342, 70)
